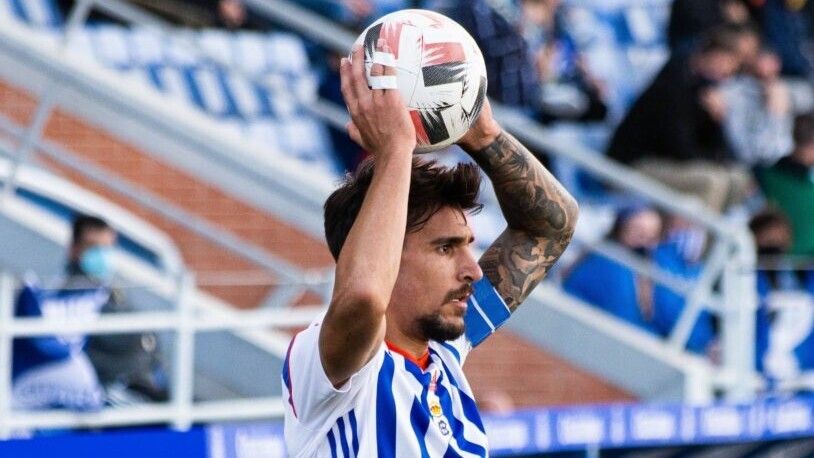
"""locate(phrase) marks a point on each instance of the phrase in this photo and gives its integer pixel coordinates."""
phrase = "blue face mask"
(96, 262)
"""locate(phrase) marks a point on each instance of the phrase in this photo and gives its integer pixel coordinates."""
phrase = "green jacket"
(790, 186)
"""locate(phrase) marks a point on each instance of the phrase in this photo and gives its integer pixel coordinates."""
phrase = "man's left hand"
(483, 132)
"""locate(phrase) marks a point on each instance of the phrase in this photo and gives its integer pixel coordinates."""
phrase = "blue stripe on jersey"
(420, 422)
(456, 425)
(332, 442)
(468, 404)
(343, 439)
(476, 327)
(386, 410)
(487, 311)
(491, 302)
(354, 433)
(452, 350)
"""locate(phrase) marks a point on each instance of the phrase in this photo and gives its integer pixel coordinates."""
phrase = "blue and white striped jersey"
(391, 407)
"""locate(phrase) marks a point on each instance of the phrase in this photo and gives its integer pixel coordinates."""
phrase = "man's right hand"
(380, 121)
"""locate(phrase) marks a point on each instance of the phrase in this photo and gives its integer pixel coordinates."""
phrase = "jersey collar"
(422, 362)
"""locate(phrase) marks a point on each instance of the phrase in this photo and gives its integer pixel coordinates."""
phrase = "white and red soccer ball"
(440, 73)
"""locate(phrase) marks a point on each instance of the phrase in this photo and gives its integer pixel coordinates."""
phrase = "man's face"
(718, 65)
(642, 230)
(437, 270)
(92, 238)
(805, 154)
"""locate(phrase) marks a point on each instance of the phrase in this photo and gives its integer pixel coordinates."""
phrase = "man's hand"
(540, 214)
(483, 132)
(380, 122)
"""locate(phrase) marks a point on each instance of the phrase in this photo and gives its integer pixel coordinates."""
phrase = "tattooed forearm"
(540, 213)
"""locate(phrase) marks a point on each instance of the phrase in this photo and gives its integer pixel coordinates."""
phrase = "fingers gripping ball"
(440, 73)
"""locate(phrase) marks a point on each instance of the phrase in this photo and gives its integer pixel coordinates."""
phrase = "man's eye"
(444, 249)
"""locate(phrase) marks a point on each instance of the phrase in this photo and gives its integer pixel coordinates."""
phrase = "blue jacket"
(612, 287)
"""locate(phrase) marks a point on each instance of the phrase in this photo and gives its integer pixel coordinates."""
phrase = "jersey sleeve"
(308, 393)
(486, 312)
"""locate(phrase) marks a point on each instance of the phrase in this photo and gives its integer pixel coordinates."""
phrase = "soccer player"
(380, 374)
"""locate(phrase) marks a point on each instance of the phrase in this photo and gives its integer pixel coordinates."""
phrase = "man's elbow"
(360, 301)
(571, 209)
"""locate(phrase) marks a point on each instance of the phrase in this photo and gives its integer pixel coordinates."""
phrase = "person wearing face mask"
(617, 289)
(789, 185)
(129, 366)
(55, 371)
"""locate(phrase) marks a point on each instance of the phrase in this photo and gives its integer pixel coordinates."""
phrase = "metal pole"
(183, 373)
(716, 263)
(77, 18)
(30, 139)
(6, 315)
(738, 319)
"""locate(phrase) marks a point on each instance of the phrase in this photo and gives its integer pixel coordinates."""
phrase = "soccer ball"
(440, 73)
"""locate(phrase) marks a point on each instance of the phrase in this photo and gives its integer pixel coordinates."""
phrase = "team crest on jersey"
(435, 409)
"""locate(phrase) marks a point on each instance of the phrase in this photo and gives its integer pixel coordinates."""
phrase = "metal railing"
(185, 321)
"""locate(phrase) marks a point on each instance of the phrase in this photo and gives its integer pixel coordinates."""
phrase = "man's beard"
(432, 327)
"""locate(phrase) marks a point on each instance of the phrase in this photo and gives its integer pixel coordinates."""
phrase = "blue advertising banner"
(523, 432)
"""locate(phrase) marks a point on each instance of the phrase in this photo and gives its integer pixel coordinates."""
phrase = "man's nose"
(470, 270)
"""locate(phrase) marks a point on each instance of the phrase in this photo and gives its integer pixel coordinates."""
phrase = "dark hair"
(84, 223)
(766, 219)
(724, 38)
(432, 187)
(804, 129)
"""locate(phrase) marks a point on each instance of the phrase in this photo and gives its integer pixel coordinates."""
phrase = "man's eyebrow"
(453, 240)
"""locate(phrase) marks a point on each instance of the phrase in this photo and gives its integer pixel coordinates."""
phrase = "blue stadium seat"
(111, 45)
(146, 46)
(38, 13)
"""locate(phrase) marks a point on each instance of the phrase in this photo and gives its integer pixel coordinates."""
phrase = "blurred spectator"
(55, 372)
(786, 28)
(568, 90)
(759, 118)
(128, 365)
(355, 14)
(691, 19)
(785, 317)
(619, 290)
(513, 79)
(789, 185)
(674, 131)
(235, 15)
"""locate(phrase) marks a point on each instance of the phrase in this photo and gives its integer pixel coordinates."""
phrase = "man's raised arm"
(540, 213)
(368, 263)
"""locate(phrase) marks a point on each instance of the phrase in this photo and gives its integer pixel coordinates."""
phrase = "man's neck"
(415, 348)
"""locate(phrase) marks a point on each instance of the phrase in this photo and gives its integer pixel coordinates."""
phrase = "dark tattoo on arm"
(540, 213)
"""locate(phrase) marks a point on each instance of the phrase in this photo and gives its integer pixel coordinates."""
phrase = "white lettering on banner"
(687, 423)
(653, 425)
(543, 430)
(722, 422)
(617, 426)
(792, 417)
(581, 428)
(258, 445)
(78, 307)
(508, 434)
